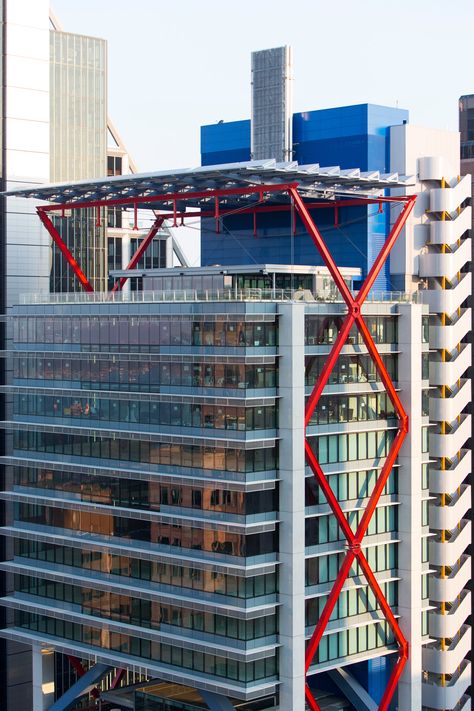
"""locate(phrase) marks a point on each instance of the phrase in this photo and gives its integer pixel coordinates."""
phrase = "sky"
(176, 65)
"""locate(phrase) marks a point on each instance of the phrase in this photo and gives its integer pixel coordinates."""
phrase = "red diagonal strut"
(354, 540)
(57, 239)
(140, 251)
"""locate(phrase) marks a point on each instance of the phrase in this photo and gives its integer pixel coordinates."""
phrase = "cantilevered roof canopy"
(328, 183)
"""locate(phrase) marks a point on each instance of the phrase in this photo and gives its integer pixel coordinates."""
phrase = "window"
(114, 165)
(114, 218)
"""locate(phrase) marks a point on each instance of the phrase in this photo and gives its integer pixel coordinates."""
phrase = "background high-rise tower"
(54, 126)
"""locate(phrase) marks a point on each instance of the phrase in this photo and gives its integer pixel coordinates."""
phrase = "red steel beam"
(251, 210)
(57, 239)
(170, 197)
(221, 192)
(354, 540)
(140, 251)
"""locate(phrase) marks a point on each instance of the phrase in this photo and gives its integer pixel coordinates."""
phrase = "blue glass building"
(349, 137)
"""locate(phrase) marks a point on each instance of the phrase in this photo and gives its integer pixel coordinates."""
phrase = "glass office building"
(158, 484)
(163, 517)
(78, 134)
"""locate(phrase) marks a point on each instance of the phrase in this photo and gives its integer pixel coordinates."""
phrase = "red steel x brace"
(354, 540)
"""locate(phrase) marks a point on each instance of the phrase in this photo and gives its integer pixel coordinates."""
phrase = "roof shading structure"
(313, 181)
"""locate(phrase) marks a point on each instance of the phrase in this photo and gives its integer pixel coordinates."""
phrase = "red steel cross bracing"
(354, 540)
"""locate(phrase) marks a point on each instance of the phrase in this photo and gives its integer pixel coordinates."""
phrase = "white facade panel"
(409, 144)
(28, 167)
(449, 200)
(32, 13)
(27, 135)
(27, 42)
(448, 517)
(28, 73)
(24, 103)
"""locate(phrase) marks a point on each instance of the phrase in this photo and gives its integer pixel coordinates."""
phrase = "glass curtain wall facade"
(78, 130)
(149, 443)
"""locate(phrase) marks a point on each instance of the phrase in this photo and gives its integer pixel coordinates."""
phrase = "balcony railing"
(230, 294)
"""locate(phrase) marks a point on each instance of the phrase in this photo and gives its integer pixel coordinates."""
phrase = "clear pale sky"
(177, 64)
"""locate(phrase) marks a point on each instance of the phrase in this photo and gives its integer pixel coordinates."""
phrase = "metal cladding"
(272, 110)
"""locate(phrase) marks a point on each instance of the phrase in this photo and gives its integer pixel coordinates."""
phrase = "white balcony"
(448, 445)
(446, 662)
(448, 408)
(436, 264)
(448, 300)
(449, 231)
(449, 552)
(447, 517)
(447, 589)
(431, 168)
(449, 372)
(446, 481)
(449, 624)
(449, 696)
(449, 199)
(448, 337)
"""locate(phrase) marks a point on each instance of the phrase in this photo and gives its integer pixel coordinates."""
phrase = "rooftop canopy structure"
(196, 185)
(214, 191)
